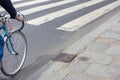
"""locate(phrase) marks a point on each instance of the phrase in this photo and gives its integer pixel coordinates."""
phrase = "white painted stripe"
(82, 21)
(49, 17)
(16, 0)
(27, 3)
(39, 8)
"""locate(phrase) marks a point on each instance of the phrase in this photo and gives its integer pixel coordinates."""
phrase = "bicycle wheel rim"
(10, 63)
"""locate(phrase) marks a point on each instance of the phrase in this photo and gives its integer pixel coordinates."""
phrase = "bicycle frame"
(7, 35)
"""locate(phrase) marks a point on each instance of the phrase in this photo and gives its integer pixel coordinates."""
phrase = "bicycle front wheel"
(12, 63)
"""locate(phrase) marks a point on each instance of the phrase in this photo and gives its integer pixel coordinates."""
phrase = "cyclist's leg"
(1, 47)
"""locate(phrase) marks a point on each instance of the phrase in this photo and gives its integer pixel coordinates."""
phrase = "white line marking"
(39, 8)
(82, 21)
(49, 17)
(16, 0)
(27, 3)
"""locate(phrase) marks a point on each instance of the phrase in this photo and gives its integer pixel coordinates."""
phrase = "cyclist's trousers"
(1, 47)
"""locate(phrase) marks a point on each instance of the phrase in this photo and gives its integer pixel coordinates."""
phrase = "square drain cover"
(64, 57)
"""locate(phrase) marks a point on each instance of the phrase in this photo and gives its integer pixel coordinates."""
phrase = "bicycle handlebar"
(5, 18)
(23, 23)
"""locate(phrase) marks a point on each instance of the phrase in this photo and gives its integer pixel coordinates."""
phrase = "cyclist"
(8, 6)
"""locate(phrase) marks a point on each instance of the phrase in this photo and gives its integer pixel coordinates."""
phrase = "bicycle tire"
(7, 67)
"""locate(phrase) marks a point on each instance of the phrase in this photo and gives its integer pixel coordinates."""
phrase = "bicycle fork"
(9, 45)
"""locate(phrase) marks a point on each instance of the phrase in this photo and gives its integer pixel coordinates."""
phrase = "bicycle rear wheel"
(12, 63)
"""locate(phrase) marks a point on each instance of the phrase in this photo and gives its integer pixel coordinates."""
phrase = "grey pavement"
(97, 56)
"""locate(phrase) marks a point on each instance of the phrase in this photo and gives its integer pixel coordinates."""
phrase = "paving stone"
(77, 66)
(98, 46)
(103, 71)
(51, 71)
(60, 75)
(111, 35)
(114, 49)
(118, 78)
(115, 29)
(106, 41)
(95, 57)
(116, 62)
(78, 76)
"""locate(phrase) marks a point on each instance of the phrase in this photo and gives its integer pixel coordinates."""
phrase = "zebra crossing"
(79, 22)
(72, 25)
(60, 13)
(40, 8)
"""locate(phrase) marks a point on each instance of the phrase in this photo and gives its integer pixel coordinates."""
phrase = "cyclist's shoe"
(20, 17)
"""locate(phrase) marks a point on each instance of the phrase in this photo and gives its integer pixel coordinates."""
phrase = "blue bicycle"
(16, 47)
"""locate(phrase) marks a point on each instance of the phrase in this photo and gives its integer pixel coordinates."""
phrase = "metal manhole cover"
(64, 57)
